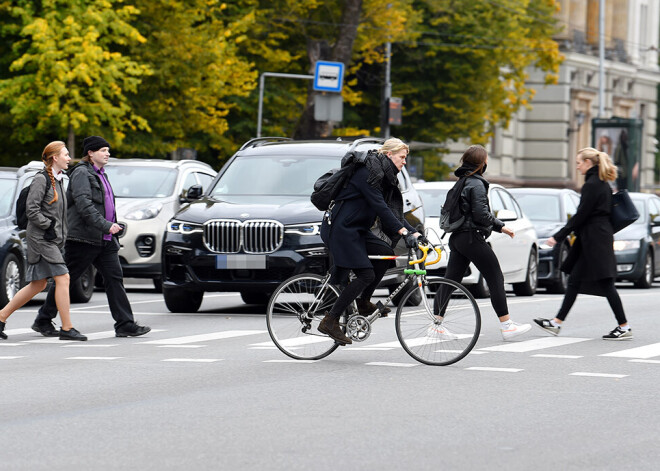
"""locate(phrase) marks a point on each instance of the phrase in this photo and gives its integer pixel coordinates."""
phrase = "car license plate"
(240, 262)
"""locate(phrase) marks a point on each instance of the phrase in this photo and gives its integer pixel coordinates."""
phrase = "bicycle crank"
(358, 328)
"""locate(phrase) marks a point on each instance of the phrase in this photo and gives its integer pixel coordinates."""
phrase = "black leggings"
(366, 279)
(609, 291)
(469, 247)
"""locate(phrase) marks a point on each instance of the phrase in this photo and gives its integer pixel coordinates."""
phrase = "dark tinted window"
(130, 181)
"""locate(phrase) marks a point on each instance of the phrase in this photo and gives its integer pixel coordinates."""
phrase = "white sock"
(625, 329)
(554, 324)
(504, 325)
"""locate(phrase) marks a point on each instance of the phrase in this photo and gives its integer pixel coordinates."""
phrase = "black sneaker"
(132, 330)
(619, 334)
(72, 334)
(546, 325)
(330, 326)
(47, 330)
(3, 336)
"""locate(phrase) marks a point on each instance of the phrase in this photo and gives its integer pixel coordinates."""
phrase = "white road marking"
(597, 375)
(295, 342)
(181, 346)
(89, 345)
(225, 334)
(106, 334)
(547, 355)
(534, 344)
(487, 368)
(194, 360)
(289, 361)
(93, 358)
(402, 365)
(19, 331)
(645, 361)
(646, 351)
(5, 344)
(9, 358)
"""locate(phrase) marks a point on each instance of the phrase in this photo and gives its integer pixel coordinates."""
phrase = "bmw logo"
(245, 215)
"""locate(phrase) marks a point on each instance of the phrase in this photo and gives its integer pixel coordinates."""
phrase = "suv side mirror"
(193, 193)
(506, 215)
(656, 221)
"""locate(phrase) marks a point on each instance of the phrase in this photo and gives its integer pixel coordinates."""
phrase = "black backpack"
(451, 216)
(21, 213)
(328, 185)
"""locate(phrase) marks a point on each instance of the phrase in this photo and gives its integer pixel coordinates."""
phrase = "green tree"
(68, 73)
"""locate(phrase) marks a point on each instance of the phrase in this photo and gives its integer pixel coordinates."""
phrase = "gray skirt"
(43, 269)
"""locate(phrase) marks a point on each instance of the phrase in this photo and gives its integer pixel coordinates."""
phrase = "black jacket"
(86, 213)
(475, 207)
(592, 255)
(354, 214)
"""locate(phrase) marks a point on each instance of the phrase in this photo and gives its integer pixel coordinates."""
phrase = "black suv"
(255, 226)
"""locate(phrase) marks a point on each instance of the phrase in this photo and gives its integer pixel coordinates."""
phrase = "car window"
(129, 181)
(204, 179)
(189, 181)
(639, 205)
(653, 209)
(432, 200)
(570, 205)
(496, 203)
(540, 207)
(403, 183)
(272, 176)
(7, 188)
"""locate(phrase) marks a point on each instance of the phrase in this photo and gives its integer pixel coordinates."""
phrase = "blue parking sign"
(328, 76)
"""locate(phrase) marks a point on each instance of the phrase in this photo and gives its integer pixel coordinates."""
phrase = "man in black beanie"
(92, 240)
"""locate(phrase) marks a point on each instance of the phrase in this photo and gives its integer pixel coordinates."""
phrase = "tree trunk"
(71, 143)
(342, 51)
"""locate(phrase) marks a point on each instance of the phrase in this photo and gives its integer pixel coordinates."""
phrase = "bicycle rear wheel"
(430, 340)
(288, 327)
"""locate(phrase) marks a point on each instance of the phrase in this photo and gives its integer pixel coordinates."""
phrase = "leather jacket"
(475, 206)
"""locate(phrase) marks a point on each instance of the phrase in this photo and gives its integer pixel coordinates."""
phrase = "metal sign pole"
(262, 85)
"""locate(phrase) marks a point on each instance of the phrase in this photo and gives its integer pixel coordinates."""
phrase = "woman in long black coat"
(372, 192)
(591, 262)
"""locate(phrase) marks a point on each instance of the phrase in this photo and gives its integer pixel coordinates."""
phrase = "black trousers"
(366, 279)
(608, 290)
(469, 247)
(78, 257)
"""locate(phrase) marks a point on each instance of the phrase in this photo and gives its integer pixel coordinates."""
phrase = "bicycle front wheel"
(444, 339)
(288, 317)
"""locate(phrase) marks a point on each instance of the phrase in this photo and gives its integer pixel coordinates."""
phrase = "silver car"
(148, 193)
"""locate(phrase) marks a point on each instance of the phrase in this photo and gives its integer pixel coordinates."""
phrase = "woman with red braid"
(46, 232)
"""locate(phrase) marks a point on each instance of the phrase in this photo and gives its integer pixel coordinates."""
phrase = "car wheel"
(12, 278)
(254, 297)
(158, 285)
(646, 280)
(481, 289)
(414, 300)
(528, 287)
(182, 300)
(82, 289)
(559, 286)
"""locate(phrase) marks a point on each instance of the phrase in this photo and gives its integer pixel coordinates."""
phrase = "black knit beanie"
(93, 143)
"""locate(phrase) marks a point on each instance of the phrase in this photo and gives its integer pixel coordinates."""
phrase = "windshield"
(272, 176)
(130, 181)
(639, 205)
(433, 200)
(7, 187)
(540, 207)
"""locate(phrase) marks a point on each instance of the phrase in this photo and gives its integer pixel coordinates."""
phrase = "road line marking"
(367, 349)
(294, 342)
(646, 351)
(9, 358)
(597, 375)
(93, 358)
(382, 363)
(263, 348)
(487, 368)
(534, 344)
(194, 360)
(181, 346)
(5, 344)
(19, 331)
(547, 355)
(289, 361)
(89, 345)
(225, 334)
(645, 361)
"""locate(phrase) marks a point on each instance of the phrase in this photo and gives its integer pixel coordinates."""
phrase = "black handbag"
(623, 212)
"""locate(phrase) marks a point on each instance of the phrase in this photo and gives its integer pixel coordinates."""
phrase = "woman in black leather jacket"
(468, 242)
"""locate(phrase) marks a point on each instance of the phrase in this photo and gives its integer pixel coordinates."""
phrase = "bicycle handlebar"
(425, 249)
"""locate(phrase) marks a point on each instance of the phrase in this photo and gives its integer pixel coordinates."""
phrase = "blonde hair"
(606, 169)
(51, 150)
(393, 144)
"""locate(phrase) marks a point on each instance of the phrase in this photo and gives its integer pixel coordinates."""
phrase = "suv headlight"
(625, 245)
(149, 212)
(303, 229)
(183, 227)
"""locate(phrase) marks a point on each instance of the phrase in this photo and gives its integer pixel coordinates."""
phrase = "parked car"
(549, 210)
(255, 226)
(518, 257)
(148, 193)
(13, 246)
(637, 247)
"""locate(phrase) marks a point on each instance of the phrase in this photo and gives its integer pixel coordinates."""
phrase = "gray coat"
(40, 214)
(87, 213)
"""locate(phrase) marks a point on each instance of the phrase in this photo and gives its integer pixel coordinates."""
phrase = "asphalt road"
(209, 391)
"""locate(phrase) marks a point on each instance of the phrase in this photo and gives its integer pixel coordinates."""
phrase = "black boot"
(2, 333)
(330, 326)
(366, 308)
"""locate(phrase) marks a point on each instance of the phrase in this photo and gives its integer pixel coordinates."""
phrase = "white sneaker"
(514, 330)
(440, 332)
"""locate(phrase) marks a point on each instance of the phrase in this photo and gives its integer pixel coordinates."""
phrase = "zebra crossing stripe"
(534, 344)
(597, 375)
(225, 334)
(644, 352)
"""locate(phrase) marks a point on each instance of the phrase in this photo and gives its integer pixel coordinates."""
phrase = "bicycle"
(299, 303)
